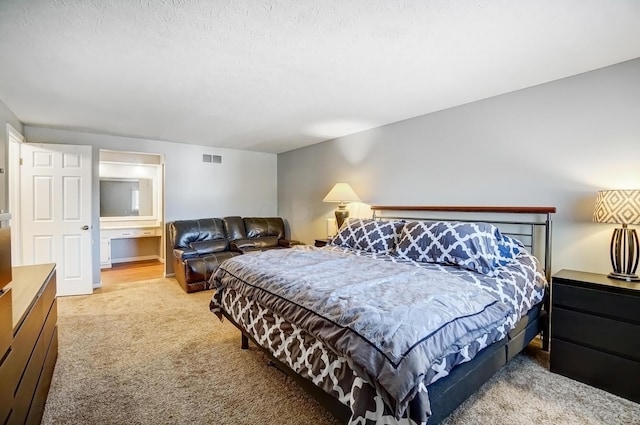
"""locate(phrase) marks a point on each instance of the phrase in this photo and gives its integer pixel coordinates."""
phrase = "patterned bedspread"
(378, 330)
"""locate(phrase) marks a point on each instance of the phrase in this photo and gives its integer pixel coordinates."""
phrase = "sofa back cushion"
(260, 227)
(183, 232)
(234, 227)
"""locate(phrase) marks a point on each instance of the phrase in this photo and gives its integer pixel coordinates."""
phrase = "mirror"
(129, 192)
(123, 197)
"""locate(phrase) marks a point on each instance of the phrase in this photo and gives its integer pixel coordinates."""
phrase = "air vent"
(213, 159)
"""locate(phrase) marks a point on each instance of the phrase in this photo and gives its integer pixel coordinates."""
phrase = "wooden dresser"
(28, 343)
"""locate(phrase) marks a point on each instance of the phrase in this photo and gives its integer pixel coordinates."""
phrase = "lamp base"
(623, 276)
(341, 215)
(624, 254)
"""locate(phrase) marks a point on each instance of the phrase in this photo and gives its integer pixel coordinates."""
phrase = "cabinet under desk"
(126, 244)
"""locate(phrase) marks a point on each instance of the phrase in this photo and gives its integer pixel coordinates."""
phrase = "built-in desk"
(26, 366)
(128, 249)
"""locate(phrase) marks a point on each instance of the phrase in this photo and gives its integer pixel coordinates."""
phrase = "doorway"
(132, 235)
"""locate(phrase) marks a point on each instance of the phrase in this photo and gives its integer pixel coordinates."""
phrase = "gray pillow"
(473, 246)
(369, 235)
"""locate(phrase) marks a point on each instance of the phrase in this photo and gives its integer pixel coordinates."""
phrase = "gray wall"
(245, 183)
(555, 144)
(6, 117)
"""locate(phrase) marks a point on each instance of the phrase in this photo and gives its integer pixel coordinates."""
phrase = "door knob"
(85, 227)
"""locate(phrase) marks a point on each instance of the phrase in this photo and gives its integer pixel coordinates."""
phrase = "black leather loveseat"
(199, 246)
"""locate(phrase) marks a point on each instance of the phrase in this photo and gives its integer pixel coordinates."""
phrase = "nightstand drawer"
(594, 301)
(608, 372)
(597, 332)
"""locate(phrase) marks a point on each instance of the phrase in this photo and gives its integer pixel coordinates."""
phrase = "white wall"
(244, 184)
(555, 144)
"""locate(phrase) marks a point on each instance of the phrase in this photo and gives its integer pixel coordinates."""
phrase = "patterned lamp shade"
(617, 206)
(621, 207)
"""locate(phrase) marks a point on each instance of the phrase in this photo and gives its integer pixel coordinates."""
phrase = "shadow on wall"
(582, 208)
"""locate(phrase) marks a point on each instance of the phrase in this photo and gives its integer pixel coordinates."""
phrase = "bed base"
(446, 394)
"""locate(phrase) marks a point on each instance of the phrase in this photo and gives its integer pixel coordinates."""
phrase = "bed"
(402, 316)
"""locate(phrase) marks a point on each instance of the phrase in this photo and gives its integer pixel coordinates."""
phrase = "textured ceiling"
(274, 75)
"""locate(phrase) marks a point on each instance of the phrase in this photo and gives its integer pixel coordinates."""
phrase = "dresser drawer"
(6, 391)
(40, 397)
(6, 323)
(48, 295)
(611, 304)
(605, 334)
(24, 341)
(611, 373)
(6, 373)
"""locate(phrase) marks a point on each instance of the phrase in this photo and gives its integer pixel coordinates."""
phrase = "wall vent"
(213, 159)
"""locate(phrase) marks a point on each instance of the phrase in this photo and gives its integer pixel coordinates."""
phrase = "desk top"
(27, 282)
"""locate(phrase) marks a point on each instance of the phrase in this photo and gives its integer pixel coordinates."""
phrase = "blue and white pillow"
(478, 247)
(368, 235)
(508, 249)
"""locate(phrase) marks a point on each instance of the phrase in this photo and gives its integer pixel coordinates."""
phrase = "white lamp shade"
(617, 206)
(341, 192)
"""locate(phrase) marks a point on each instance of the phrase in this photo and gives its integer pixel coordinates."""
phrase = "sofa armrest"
(287, 243)
(241, 245)
(184, 254)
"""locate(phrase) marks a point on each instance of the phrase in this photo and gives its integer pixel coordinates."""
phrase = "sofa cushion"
(209, 246)
(234, 226)
(200, 269)
(258, 243)
(266, 242)
(183, 232)
(258, 227)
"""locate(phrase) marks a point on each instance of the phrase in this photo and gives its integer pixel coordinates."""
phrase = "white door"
(55, 210)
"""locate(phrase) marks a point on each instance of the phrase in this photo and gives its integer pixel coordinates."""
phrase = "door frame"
(14, 139)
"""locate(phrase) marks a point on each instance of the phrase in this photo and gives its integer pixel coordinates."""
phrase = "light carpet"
(147, 353)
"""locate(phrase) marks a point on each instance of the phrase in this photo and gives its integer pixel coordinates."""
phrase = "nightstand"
(321, 242)
(595, 331)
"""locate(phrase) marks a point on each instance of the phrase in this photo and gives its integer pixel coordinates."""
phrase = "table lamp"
(621, 207)
(341, 192)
